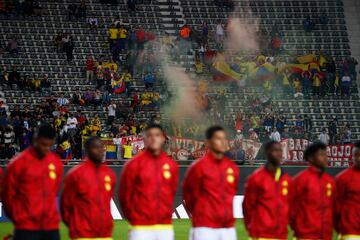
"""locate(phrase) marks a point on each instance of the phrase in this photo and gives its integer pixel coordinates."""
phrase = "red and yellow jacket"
(312, 195)
(209, 188)
(29, 190)
(347, 204)
(148, 185)
(266, 204)
(85, 200)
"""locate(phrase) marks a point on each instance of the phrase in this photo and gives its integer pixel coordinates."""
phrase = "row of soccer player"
(312, 203)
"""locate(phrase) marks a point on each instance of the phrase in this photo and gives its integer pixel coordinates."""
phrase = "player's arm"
(126, 187)
(175, 174)
(249, 202)
(191, 186)
(67, 199)
(295, 194)
(339, 197)
(9, 188)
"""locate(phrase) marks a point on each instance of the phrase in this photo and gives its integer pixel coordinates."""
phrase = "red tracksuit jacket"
(147, 189)
(311, 204)
(266, 204)
(209, 188)
(85, 201)
(29, 190)
(347, 210)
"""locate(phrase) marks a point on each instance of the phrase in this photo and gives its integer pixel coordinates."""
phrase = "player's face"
(154, 139)
(96, 151)
(219, 142)
(356, 157)
(43, 145)
(320, 159)
(274, 154)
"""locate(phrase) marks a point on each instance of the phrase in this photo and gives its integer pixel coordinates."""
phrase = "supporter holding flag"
(266, 203)
(30, 186)
(347, 204)
(312, 197)
(147, 189)
(209, 188)
(88, 215)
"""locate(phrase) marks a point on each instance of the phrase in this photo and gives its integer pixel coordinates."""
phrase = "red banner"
(293, 152)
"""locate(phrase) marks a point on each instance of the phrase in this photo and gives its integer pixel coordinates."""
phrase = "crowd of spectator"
(116, 75)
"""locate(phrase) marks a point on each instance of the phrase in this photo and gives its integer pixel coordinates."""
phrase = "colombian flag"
(66, 150)
(118, 86)
(111, 151)
(222, 70)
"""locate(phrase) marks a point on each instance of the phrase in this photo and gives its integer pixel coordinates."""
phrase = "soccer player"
(347, 203)
(312, 197)
(266, 205)
(88, 189)
(147, 189)
(30, 186)
(209, 188)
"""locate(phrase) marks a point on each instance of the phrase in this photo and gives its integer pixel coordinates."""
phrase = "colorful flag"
(118, 86)
(222, 70)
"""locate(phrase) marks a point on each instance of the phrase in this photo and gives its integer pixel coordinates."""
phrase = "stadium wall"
(179, 210)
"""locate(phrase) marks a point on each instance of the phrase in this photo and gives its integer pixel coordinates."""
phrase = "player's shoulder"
(258, 173)
(55, 158)
(328, 177)
(344, 174)
(78, 169)
(301, 175)
(20, 158)
(197, 164)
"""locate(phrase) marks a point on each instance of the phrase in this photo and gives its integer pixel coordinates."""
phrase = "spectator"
(275, 135)
(9, 140)
(204, 32)
(45, 83)
(62, 101)
(58, 40)
(72, 124)
(324, 137)
(113, 36)
(106, 97)
(346, 135)
(128, 150)
(149, 80)
(122, 37)
(307, 123)
(90, 67)
(140, 38)
(219, 33)
(36, 83)
(316, 84)
(14, 77)
(332, 127)
(185, 32)
(111, 113)
(68, 47)
(97, 99)
(345, 84)
(13, 46)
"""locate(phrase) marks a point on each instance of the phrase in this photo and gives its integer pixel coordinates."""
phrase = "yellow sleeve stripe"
(350, 236)
(152, 227)
(277, 174)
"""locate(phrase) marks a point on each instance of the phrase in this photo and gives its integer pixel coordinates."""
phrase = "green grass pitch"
(181, 227)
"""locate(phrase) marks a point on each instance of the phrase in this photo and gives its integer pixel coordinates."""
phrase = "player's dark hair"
(313, 149)
(212, 130)
(357, 144)
(89, 142)
(45, 130)
(154, 125)
(269, 145)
